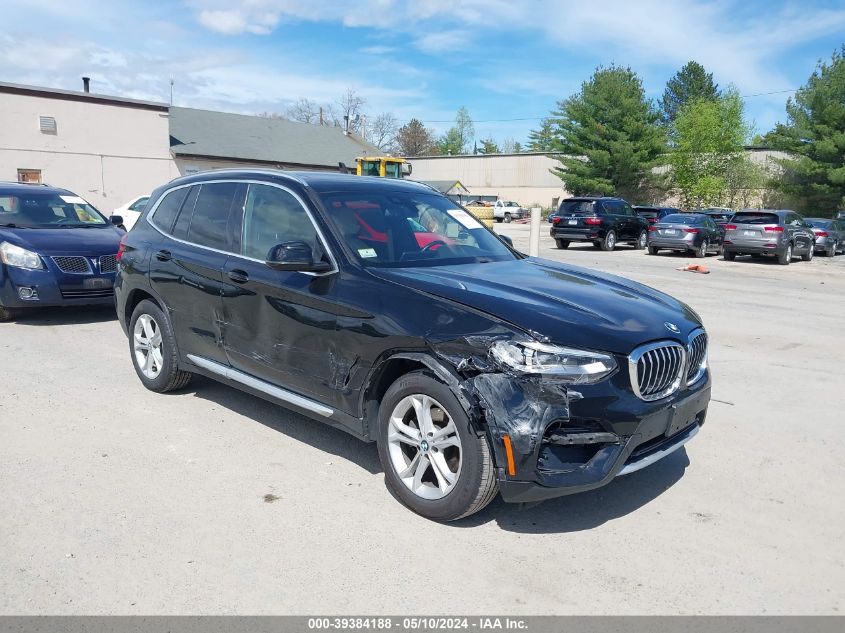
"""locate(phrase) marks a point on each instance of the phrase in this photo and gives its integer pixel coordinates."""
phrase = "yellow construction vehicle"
(382, 166)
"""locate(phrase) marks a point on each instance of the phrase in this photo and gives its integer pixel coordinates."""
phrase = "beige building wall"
(524, 178)
(104, 152)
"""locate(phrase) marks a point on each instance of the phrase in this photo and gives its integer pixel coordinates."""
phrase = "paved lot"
(117, 500)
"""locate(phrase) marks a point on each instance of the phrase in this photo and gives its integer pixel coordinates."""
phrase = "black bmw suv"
(384, 309)
(603, 221)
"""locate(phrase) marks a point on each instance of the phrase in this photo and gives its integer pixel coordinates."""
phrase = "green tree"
(489, 146)
(542, 139)
(415, 139)
(707, 157)
(688, 84)
(609, 136)
(815, 135)
(459, 137)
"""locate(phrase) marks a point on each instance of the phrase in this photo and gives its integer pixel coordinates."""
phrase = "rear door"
(186, 266)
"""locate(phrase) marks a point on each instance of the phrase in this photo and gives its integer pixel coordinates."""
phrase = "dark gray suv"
(780, 233)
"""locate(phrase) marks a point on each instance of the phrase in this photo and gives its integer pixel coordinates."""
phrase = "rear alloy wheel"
(785, 258)
(653, 250)
(153, 349)
(562, 243)
(609, 241)
(434, 460)
(808, 256)
(702, 250)
(642, 240)
(508, 218)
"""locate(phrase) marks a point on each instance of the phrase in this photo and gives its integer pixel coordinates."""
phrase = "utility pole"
(171, 91)
(321, 115)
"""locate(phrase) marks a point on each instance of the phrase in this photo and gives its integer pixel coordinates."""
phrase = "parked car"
(131, 211)
(779, 233)
(830, 235)
(719, 215)
(461, 362)
(840, 215)
(693, 233)
(655, 214)
(505, 211)
(55, 250)
(603, 221)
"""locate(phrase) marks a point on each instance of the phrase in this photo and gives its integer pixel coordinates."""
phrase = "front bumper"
(52, 287)
(625, 435)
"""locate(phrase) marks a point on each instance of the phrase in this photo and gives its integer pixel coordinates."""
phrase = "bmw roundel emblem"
(672, 327)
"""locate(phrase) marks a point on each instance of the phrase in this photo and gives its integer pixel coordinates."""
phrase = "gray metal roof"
(255, 138)
(447, 186)
(75, 95)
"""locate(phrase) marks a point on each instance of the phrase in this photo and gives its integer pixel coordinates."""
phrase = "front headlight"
(18, 257)
(575, 366)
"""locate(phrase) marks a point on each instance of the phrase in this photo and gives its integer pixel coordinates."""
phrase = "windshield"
(46, 209)
(407, 229)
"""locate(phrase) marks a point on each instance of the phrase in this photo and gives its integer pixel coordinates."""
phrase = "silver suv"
(780, 233)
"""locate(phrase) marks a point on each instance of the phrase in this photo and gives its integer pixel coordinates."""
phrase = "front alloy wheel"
(424, 446)
(435, 460)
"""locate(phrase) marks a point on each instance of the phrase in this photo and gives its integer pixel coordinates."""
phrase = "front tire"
(831, 252)
(808, 256)
(508, 218)
(8, 314)
(435, 461)
(702, 250)
(642, 240)
(785, 258)
(609, 241)
(653, 250)
(152, 346)
(562, 243)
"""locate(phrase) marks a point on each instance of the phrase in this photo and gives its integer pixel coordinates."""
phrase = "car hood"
(566, 304)
(68, 241)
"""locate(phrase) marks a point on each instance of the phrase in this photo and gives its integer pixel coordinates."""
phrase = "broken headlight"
(575, 366)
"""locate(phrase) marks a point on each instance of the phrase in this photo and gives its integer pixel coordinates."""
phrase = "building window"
(29, 175)
(47, 125)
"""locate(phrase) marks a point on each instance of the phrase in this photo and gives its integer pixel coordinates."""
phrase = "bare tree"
(304, 111)
(350, 108)
(381, 131)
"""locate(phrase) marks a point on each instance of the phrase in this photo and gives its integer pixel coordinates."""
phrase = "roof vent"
(47, 124)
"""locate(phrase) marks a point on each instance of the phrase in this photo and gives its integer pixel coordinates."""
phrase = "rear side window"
(577, 207)
(751, 217)
(167, 209)
(210, 220)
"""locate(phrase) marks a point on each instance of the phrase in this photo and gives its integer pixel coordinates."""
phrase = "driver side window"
(272, 216)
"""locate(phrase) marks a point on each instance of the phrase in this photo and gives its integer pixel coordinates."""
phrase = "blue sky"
(503, 60)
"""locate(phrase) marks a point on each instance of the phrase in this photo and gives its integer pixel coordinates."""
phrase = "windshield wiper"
(12, 225)
(78, 226)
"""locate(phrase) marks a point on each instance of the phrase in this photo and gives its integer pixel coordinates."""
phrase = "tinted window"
(166, 211)
(183, 221)
(625, 209)
(754, 217)
(822, 224)
(211, 214)
(678, 218)
(577, 207)
(273, 216)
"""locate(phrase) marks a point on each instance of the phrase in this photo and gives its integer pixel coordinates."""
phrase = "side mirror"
(295, 256)
(507, 239)
(117, 220)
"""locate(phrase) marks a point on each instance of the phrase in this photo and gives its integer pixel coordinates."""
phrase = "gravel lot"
(116, 500)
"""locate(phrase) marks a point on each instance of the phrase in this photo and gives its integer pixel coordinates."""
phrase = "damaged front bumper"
(563, 442)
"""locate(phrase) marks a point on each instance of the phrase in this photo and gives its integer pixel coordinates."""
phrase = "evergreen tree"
(815, 135)
(543, 139)
(689, 83)
(609, 135)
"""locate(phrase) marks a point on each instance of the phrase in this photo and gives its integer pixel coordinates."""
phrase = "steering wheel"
(430, 246)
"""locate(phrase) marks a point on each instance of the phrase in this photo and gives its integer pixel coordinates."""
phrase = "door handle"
(163, 256)
(238, 276)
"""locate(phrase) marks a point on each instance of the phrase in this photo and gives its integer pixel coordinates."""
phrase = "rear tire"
(609, 241)
(476, 484)
(729, 256)
(653, 250)
(152, 347)
(8, 314)
(785, 258)
(642, 240)
(808, 256)
(831, 252)
(562, 243)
